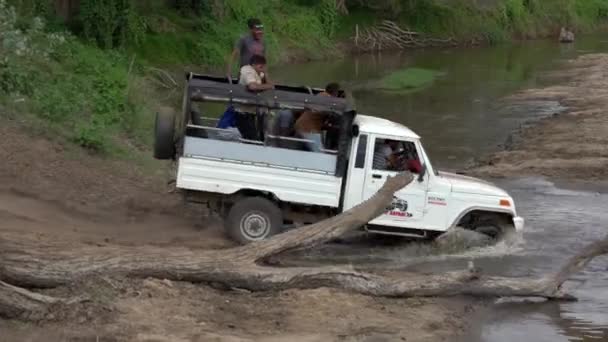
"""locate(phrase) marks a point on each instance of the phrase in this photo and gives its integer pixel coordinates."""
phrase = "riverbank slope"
(572, 145)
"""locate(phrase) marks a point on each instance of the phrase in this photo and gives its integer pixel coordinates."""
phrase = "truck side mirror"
(422, 173)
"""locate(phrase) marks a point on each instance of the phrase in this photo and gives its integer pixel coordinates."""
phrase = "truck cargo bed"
(228, 167)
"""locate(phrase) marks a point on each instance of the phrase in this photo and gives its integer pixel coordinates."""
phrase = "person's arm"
(393, 162)
(231, 58)
(414, 166)
(230, 61)
(253, 86)
(266, 77)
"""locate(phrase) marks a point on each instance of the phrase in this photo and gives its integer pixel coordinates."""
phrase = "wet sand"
(572, 145)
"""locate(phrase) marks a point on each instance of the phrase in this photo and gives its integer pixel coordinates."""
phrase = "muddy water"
(462, 117)
(560, 222)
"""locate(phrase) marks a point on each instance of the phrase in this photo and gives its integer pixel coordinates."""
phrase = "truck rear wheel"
(164, 144)
(253, 219)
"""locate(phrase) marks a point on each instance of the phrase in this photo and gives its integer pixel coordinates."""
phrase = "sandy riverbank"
(572, 145)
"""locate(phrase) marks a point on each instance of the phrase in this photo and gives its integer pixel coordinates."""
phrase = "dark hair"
(253, 22)
(332, 89)
(257, 59)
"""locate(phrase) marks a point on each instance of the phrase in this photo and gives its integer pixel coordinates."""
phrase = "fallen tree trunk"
(32, 262)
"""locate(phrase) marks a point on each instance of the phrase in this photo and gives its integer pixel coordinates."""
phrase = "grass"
(408, 80)
(347, 23)
(503, 20)
(168, 49)
(175, 38)
(94, 98)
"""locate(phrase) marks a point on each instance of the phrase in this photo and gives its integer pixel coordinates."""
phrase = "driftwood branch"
(162, 78)
(341, 7)
(389, 35)
(38, 263)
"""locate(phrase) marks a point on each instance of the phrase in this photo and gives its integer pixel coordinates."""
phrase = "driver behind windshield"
(384, 155)
(394, 156)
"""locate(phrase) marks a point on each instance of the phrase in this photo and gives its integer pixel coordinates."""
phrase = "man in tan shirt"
(310, 124)
(253, 76)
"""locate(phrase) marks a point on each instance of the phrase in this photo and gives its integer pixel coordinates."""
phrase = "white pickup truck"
(260, 188)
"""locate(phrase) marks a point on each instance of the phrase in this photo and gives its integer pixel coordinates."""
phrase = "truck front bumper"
(518, 222)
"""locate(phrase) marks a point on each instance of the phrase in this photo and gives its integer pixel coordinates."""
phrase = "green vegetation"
(91, 75)
(491, 20)
(408, 80)
(87, 95)
(89, 80)
(205, 34)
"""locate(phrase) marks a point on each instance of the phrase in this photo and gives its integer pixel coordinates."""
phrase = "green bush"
(14, 79)
(79, 90)
(206, 36)
(111, 23)
(91, 136)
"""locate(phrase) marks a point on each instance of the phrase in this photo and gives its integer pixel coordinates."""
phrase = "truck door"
(408, 207)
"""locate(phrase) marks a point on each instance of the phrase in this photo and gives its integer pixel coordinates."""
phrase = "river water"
(463, 116)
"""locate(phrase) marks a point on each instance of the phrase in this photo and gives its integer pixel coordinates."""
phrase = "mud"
(55, 191)
(161, 310)
(569, 145)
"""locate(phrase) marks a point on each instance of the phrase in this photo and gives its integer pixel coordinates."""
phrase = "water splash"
(456, 244)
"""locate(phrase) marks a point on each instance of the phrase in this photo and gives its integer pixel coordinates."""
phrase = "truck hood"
(470, 185)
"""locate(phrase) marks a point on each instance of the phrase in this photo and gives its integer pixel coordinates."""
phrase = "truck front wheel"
(253, 219)
(495, 225)
(498, 229)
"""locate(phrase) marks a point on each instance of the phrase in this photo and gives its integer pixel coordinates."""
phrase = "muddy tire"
(492, 231)
(253, 219)
(164, 128)
(495, 230)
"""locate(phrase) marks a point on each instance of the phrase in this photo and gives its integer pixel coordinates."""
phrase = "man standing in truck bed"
(311, 123)
(248, 45)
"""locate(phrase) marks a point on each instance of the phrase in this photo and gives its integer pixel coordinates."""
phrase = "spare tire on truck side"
(164, 132)
(253, 219)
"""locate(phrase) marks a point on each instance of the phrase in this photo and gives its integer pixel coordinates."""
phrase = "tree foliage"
(111, 23)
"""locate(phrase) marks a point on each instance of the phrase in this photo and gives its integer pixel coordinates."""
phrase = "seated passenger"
(253, 75)
(228, 119)
(384, 155)
(228, 125)
(310, 124)
(254, 78)
(283, 127)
